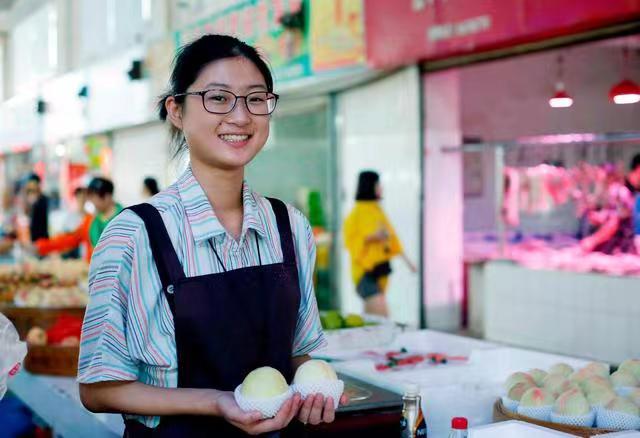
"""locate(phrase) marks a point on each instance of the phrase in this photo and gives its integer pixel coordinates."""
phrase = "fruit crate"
(500, 413)
(53, 360)
(24, 318)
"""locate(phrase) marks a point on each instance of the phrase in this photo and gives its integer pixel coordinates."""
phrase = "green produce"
(352, 320)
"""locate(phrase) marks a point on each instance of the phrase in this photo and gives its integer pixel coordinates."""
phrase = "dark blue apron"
(226, 324)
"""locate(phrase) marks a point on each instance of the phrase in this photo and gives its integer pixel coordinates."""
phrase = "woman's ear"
(174, 111)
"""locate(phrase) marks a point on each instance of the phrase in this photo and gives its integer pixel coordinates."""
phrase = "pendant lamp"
(561, 98)
(625, 91)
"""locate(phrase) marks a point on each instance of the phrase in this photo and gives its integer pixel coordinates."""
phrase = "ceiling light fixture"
(625, 91)
(561, 98)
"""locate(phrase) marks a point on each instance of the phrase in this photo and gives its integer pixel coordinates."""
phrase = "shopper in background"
(172, 329)
(8, 220)
(37, 206)
(613, 222)
(372, 243)
(73, 244)
(149, 187)
(100, 194)
(632, 182)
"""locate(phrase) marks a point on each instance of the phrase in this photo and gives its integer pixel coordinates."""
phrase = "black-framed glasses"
(217, 101)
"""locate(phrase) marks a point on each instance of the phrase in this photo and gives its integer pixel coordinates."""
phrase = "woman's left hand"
(316, 409)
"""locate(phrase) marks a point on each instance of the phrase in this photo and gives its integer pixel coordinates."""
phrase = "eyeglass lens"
(221, 102)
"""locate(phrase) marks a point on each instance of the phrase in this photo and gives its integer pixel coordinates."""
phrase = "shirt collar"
(201, 217)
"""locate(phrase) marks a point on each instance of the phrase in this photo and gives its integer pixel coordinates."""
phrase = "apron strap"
(164, 254)
(284, 228)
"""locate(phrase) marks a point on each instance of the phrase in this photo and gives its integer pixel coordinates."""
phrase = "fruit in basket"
(64, 327)
(517, 378)
(535, 397)
(331, 320)
(593, 383)
(557, 384)
(263, 383)
(600, 396)
(623, 405)
(572, 402)
(538, 376)
(622, 378)
(632, 366)
(313, 371)
(592, 369)
(598, 369)
(352, 321)
(70, 341)
(562, 369)
(634, 396)
(37, 336)
(517, 391)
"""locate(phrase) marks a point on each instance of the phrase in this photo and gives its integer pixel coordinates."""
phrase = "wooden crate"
(23, 318)
(52, 360)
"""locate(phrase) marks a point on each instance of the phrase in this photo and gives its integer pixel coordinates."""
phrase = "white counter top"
(456, 389)
(468, 389)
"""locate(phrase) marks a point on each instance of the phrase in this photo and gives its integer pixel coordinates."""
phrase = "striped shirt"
(128, 331)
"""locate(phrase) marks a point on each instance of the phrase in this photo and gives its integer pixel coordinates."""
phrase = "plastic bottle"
(412, 424)
(459, 427)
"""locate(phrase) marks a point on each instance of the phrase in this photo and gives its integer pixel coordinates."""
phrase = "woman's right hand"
(252, 422)
(382, 235)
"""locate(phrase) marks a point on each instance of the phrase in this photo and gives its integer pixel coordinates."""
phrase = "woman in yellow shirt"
(372, 243)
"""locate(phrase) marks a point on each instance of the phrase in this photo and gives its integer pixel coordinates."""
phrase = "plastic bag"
(12, 352)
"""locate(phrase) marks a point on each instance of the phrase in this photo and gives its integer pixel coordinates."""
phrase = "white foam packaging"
(268, 407)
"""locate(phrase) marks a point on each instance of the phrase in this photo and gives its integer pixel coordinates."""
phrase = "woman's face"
(225, 141)
(378, 190)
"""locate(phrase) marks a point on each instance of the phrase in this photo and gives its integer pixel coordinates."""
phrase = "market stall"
(543, 288)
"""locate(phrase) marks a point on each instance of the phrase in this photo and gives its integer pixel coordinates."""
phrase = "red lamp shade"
(625, 92)
(560, 100)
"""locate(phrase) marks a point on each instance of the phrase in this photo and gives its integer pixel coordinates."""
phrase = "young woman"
(211, 280)
(372, 243)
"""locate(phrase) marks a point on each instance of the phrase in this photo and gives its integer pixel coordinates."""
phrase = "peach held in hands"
(265, 382)
(264, 390)
(318, 377)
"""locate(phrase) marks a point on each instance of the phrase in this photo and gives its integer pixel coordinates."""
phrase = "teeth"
(234, 137)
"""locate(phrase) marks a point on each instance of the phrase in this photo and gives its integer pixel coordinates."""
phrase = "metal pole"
(499, 197)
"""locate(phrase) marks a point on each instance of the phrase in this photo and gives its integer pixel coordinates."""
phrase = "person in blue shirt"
(633, 184)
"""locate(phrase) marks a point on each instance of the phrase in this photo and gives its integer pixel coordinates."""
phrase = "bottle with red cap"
(459, 427)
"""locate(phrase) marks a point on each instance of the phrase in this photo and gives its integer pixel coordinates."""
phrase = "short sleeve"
(309, 335)
(104, 354)
(394, 242)
(353, 239)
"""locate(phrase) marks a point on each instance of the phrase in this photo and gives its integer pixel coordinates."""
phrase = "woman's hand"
(316, 409)
(409, 263)
(382, 235)
(252, 422)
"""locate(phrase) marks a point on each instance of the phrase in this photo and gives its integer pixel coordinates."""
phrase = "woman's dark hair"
(79, 191)
(151, 185)
(635, 162)
(196, 55)
(100, 186)
(367, 181)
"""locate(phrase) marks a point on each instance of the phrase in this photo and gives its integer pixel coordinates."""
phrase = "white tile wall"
(585, 315)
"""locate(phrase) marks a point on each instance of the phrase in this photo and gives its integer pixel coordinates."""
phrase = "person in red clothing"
(78, 238)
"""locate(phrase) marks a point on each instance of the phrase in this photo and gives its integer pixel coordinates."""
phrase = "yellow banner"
(336, 33)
